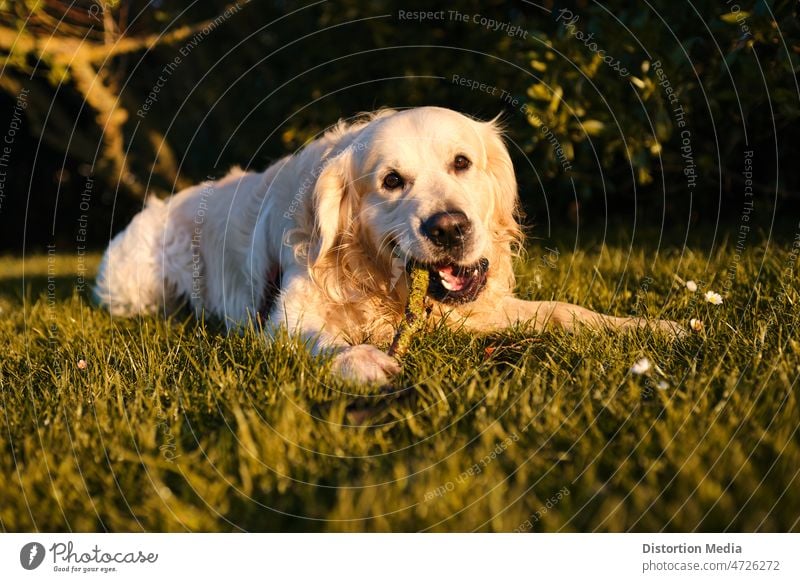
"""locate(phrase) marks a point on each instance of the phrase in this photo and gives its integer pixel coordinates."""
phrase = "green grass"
(173, 426)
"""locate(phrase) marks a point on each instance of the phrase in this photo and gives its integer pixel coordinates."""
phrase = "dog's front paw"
(365, 364)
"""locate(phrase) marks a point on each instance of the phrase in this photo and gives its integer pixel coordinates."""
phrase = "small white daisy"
(696, 325)
(713, 298)
(691, 286)
(641, 367)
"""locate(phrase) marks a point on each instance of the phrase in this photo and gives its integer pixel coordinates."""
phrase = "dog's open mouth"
(452, 283)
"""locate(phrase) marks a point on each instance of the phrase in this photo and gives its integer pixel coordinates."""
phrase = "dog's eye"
(461, 163)
(393, 181)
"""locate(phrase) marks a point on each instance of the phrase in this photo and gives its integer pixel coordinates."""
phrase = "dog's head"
(427, 185)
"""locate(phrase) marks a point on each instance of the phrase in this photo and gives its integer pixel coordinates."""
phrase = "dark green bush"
(261, 79)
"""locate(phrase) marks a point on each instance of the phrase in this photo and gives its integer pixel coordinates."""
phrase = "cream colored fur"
(325, 220)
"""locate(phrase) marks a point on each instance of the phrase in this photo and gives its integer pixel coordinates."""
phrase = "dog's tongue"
(450, 280)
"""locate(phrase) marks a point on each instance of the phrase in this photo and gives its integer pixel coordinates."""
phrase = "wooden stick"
(416, 312)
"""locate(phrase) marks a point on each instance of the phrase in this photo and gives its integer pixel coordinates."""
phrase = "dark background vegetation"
(260, 83)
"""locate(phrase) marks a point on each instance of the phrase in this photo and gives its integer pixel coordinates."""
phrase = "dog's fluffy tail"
(130, 280)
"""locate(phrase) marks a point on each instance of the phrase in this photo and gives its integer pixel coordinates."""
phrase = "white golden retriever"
(318, 242)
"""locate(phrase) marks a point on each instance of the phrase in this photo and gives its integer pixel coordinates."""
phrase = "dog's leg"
(363, 363)
(301, 308)
(542, 314)
(148, 266)
(130, 279)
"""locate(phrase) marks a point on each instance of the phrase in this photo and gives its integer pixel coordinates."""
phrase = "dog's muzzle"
(447, 230)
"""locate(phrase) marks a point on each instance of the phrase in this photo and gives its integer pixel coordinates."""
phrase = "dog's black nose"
(447, 229)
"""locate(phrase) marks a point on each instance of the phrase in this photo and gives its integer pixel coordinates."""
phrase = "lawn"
(170, 425)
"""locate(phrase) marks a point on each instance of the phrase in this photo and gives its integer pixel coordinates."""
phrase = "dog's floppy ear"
(501, 171)
(332, 203)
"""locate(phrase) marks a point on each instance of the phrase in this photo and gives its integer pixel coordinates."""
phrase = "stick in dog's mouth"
(449, 282)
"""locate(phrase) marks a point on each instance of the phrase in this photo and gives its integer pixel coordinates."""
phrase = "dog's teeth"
(442, 274)
(446, 284)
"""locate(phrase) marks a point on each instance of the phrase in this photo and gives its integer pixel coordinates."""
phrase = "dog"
(319, 242)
